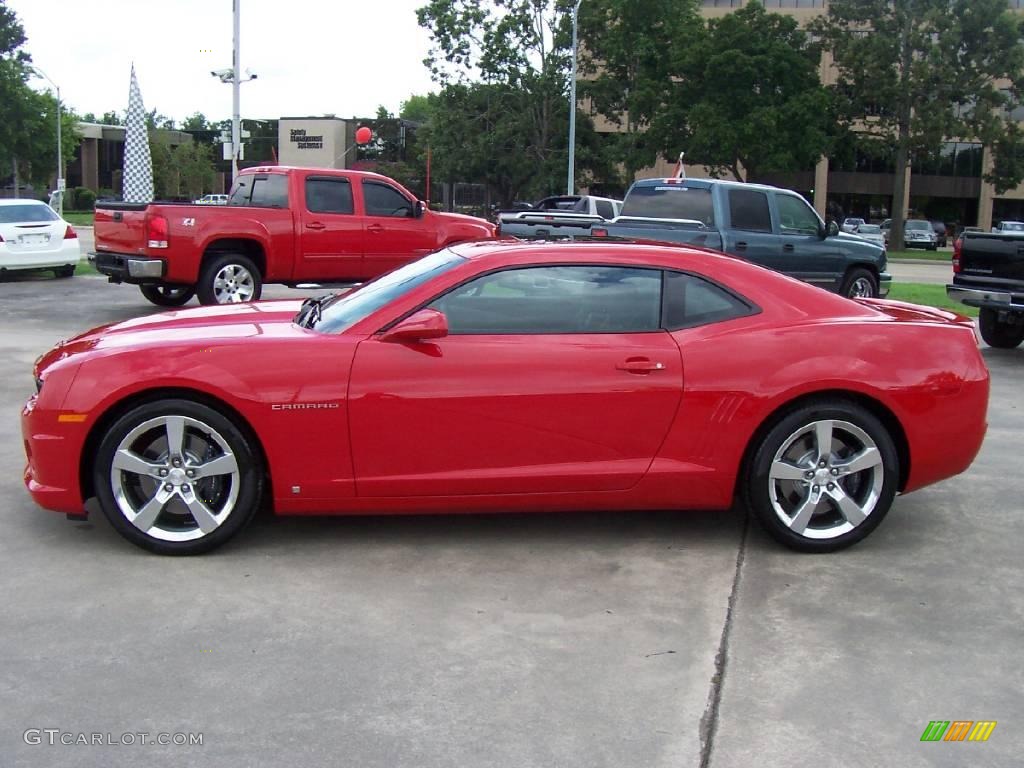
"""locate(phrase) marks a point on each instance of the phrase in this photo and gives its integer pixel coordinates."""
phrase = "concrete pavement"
(619, 640)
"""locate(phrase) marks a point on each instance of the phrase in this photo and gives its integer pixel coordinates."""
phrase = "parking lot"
(621, 639)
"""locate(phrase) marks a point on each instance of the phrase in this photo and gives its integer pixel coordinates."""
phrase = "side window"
(329, 195)
(796, 216)
(565, 299)
(604, 209)
(270, 191)
(385, 200)
(692, 300)
(241, 192)
(748, 210)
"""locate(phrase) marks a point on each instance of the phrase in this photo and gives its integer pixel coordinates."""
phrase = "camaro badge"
(302, 406)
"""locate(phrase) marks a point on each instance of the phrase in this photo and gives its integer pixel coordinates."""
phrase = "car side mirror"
(419, 326)
(419, 209)
(831, 230)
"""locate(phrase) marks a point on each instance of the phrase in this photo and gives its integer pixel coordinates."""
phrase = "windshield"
(869, 229)
(1012, 226)
(671, 201)
(343, 311)
(17, 214)
(919, 225)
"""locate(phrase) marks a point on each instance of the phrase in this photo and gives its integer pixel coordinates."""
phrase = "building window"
(794, 3)
(714, 4)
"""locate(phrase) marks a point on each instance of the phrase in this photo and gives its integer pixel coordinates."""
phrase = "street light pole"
(60, 154)
(571, 184)
(236, 110)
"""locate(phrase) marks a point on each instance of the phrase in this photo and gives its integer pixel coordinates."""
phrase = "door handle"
(741, 246)
(315, 225)
(788, 247)
(375, 228)
(640, 365)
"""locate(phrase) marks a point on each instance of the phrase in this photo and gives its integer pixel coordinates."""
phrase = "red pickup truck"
(281, 225)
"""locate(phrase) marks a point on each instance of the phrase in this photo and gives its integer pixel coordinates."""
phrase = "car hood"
(207, 325)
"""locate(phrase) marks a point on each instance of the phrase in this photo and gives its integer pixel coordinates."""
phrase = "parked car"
(1009, 227)
(212, 200)
(940, 233)
(766, 225)
(988, 272)
(918, 233)
(513, 376)
(851, 225)
(282, 225)
(33, 236)
(872, 233)
(561, 216)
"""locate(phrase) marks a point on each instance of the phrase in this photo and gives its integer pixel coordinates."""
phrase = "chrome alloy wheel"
(826, 479)
(175, 478)
(862, 288)
(232, 284)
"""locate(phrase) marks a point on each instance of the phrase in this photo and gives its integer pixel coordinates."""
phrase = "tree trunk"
(897, 214)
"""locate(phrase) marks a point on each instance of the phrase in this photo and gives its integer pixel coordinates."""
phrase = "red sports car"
(510, 376)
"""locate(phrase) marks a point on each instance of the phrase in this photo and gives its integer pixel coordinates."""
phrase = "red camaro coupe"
(510, 376)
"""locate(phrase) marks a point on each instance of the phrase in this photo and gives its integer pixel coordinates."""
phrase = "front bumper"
(121, 268)
(51, 470)
(884, 284)
(987, 298)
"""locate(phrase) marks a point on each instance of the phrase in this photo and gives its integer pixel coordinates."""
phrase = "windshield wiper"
(309, 312)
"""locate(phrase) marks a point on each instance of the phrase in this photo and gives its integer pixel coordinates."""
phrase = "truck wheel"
(999, 333)
(859, 284)
(229, 279)
(68, 270)
(168, 295)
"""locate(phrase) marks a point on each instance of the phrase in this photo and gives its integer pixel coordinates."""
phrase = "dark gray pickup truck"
(988, 272)
(773, 227)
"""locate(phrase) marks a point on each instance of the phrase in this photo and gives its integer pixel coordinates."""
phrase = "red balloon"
(363, 135)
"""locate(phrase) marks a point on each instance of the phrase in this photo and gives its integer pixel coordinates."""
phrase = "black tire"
(229, 278)
(999, 334)
(160, 494)
(168, 295)
(770, 496)
(68, 270)
(859, 283)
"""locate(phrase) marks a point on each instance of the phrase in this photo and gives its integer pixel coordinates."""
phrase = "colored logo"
(958, 730)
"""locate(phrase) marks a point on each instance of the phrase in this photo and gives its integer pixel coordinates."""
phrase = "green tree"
(918, 72)
(185, 170)
(624, 69)
(747, 97)
(417, 108)
(112, 118)
(196, 122)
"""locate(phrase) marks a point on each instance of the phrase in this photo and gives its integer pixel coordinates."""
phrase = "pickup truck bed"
(988, 273)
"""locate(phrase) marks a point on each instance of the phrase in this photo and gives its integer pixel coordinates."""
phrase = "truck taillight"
(599, 232)
(156, 232)
(958, 245)
(69, 234)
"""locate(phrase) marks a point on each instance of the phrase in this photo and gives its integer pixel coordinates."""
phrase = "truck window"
(796, 216)
(675, 201)
(748, 210)
(385, 200)
(604, 208)
(329, 195)
(270, 191)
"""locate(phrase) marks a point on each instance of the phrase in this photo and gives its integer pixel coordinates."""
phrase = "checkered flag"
(138, 165)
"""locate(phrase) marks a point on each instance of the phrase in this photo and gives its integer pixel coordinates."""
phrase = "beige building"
(314, 142)
(946, 187)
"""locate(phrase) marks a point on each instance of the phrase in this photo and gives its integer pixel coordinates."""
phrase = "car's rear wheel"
(229, 279)
(168, 295)
(68, 270)
(859, 283)
(176, 477)
(999, 333)
(823, 476)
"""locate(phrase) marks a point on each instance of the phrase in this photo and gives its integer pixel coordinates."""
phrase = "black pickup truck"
(988, 272)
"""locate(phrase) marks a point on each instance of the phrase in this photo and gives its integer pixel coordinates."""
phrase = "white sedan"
(33, 236)
(872, 233)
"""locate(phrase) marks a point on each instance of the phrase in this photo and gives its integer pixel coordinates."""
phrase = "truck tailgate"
(993, 255)
(120, 229)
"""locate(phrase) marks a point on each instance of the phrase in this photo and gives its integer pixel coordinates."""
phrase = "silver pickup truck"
(561, 216)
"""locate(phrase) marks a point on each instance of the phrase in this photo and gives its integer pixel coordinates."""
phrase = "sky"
(312, 57)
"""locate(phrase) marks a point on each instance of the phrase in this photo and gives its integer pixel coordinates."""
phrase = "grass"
(921, 254)
(930, 296)
(79, 218)
(85, 268)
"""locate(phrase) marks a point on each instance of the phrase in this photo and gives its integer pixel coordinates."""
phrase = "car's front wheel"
(168, 295)
(997, 333)
(859, 283)
(823, 476)
(229, 279)
(176, 477)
